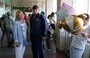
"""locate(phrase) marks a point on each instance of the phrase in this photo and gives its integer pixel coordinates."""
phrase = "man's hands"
(43, 38)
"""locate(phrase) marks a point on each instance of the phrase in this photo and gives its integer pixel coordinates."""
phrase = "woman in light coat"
(20, 31)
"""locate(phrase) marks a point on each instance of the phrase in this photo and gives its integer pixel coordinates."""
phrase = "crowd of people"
(6, 24)
(37, 28)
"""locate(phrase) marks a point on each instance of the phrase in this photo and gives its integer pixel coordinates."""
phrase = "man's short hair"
(8, 13)
(43, 13)
(35, 7)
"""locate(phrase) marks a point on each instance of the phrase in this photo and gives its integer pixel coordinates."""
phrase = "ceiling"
(22, 3)
(26, 3)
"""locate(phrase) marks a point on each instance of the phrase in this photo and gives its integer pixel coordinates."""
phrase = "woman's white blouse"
(79, 41)
(23, 26)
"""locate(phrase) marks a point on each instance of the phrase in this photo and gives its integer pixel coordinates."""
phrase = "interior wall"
(51, 6)
(2, 9)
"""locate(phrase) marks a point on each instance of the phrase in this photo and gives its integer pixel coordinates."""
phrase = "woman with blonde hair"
(20, 31)
(76, 25)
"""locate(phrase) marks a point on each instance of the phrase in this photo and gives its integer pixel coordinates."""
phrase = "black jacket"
(37, 25)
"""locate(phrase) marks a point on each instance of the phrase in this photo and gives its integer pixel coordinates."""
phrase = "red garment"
(26, 18)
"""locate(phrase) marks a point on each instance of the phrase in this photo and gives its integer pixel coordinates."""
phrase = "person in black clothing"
(50, 32)
(2, 28)
(9, 29)
(52, 20)
(37, 32)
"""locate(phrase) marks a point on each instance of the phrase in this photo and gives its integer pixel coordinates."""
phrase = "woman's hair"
(52, 14)
(17, 13)
(48, 16)
(87, 16)
(84, 16)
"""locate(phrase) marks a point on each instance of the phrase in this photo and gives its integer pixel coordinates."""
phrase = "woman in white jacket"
(20, 31)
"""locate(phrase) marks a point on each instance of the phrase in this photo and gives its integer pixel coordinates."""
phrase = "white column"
(57, 29)
(51, 6)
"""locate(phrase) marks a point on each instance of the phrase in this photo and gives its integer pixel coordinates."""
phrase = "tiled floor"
(9, 53)
(58, 55)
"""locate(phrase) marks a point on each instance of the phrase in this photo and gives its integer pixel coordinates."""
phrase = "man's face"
(35, 11)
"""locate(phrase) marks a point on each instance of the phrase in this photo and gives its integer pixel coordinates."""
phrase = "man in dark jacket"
(9, 29)
(2, 25)
(37, 32)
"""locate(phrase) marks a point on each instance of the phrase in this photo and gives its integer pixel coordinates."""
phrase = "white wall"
(2, 11)
(42, 6)
(51, 6)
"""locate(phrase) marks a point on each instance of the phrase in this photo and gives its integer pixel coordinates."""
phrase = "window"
(81, 6)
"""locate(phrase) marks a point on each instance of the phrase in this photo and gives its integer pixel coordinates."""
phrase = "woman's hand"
(84, 34)
(17, 44)
(60, 25)
(73, 32)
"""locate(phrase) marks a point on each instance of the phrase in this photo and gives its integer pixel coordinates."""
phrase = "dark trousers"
(37, 48)
(9, 34)
(3, 35)
(48, 43)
